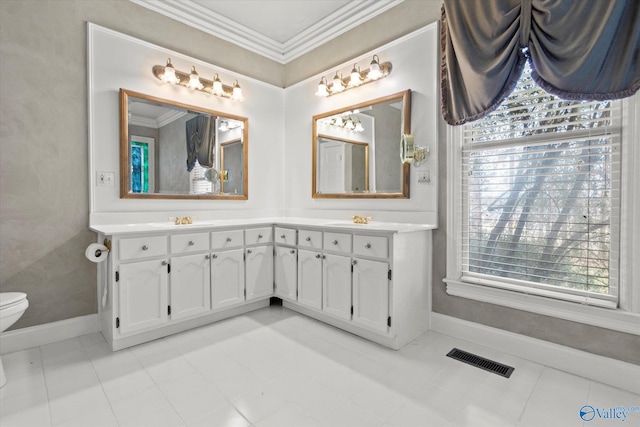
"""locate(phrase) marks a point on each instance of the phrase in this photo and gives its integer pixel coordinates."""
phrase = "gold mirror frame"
(125, 153)
(405, 97)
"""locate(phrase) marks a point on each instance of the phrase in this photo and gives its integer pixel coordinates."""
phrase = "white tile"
(379, 400)
(27, 409)
(91, 339)
(227, 416)
(413, 414)
(280, 368)
(477, 416)
(22, 363)
(289, 415)
(126, 385)
(192, 397)
(20, 385)
(259, 403)
(78, 404)
(350, 415)
(136, 407)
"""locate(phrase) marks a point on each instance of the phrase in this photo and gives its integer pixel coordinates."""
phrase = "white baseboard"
(609, 371)
(34, 336)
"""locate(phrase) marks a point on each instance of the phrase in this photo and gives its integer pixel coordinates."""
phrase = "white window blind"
(540, 197)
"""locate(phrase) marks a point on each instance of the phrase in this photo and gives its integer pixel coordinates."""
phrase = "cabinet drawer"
(373, 246)
(255, 236)
(337, 242)
(227, 239)
(285, 236)
(310, 239)
(143, 247)
(183, 243)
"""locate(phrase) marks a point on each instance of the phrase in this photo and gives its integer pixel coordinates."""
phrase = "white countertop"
(111, 229)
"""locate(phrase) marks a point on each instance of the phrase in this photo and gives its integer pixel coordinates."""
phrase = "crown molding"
(340, 21)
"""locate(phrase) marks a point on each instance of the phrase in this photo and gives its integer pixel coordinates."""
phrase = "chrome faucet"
(357, 219)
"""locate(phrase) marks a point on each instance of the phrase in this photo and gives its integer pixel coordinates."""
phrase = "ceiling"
(281, 30)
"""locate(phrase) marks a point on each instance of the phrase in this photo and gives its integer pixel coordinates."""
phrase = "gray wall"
(43, 153)
(172, 157)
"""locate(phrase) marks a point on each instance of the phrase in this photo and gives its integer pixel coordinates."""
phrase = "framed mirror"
(356, 150)
(170, 150)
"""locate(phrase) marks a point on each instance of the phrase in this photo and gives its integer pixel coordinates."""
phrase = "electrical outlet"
(423, 177)
(105, 179)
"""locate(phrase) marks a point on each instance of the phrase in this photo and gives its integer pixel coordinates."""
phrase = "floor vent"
(481, 362)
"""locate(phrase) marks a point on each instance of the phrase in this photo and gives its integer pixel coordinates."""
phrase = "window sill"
(614, 319)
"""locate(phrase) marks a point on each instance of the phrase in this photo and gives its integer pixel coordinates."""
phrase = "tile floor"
(274, 367)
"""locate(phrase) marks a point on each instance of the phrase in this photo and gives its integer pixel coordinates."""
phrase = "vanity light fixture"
(192, 80)
(323, 89)
(356, 78)
(345, 121)
(237, 91)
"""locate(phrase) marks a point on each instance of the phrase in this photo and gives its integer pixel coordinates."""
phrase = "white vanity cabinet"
(190, 277)
(142, 295)
(370, 281)
(285, 263)
(227, 268)
(259, 263)
(142, 283)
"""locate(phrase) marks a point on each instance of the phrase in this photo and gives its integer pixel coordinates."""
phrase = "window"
(539, 197)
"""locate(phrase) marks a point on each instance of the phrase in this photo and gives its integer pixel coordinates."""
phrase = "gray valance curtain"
(577, 49)
(201, 141)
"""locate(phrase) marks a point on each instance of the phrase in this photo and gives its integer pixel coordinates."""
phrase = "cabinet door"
(142, 295)
(259, 264)
(190, 286)
(371, 294)
(227, 278)
(310, 278)
(286, 269)
(336, 286)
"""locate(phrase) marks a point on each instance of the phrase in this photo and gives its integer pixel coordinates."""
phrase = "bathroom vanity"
(373, 280)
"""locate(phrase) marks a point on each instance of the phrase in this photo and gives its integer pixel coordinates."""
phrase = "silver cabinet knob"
(335, 242)
(145, 247)
(368, 246)
(259, 236)
(283, 237)
(228, 239)
(354, 262)
(191, 243)
(292, 251)
(207, 257)
(164, 262)
(249, 251)
(308, 239)
(214, 256)
(318, 256)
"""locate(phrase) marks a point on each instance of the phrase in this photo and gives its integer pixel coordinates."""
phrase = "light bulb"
(359, 127)
(194, 80)
(355, 77)
(217, 85)
(338, 86)
(339, 122)
(322, 88)
(169, 75)
(349, 124)
(237, 91)
(374, 69)
(223, 126)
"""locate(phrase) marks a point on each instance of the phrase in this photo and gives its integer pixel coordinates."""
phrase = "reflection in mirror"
(356, 150)
(172, 150)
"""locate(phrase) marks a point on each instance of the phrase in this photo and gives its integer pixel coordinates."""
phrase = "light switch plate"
(423, 177)
(105, 179)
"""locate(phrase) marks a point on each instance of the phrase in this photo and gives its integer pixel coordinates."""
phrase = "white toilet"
(12, 305)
